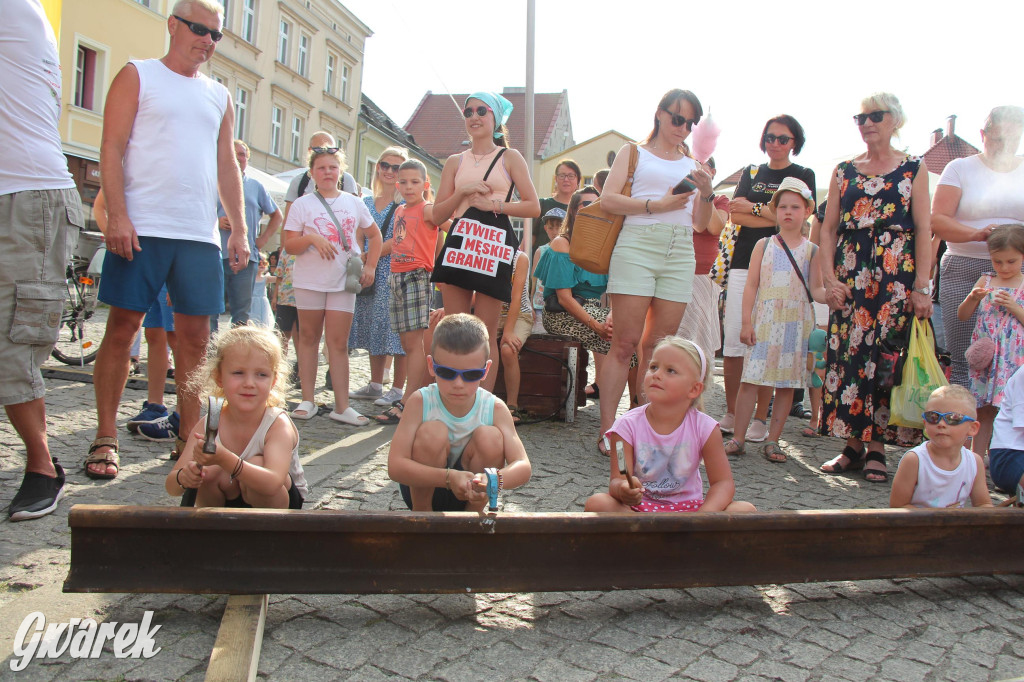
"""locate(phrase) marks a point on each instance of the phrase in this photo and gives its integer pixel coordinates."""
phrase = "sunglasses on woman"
(393, 167)
(324, 150)
(468, 375)
(480, 111)
(200, 30)
(679, 121)
(951, 418)
(769, 138)
(875, 116)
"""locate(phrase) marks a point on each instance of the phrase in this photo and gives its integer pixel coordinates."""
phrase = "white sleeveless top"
(170, 164)
(460, 429)
(257, 444)
(653, 177)
(939, 488)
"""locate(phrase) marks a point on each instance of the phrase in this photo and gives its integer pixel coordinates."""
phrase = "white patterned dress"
(783, 320)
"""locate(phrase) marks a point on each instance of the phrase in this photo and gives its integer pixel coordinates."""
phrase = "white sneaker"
(367, 392)
(757, 431)
(389, 397)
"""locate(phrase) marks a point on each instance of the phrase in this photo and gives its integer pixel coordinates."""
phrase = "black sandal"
(882, 473)
(856, 462)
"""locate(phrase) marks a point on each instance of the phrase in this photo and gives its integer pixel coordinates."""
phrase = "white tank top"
(170, 164)
(939, 488)
(31, 156)
(460, 429)
(257, 444)
(653, 177)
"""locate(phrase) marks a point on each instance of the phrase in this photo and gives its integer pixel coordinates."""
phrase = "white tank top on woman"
(653, 177)
(170, 164)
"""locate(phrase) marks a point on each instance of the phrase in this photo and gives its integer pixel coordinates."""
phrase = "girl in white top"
(246, 367)
(941, 473)
(322, 253)
(650, 277)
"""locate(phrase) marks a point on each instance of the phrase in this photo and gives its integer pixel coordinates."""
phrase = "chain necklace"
(477, 160)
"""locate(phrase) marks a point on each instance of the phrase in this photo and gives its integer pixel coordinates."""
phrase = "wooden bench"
(249, 554)
(552, 368)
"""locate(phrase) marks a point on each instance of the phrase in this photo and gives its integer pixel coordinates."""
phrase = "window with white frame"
(85, 78)
(329, 75)
(249, 21)
(303, 65)
(227, 13)
(296, 138)
(343, 95)
(276, 120)
(282, 42)
(241, 112)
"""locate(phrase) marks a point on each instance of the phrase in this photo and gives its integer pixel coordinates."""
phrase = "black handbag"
(552, 305)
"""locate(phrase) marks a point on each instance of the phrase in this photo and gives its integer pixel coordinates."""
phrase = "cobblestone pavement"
(906, 630)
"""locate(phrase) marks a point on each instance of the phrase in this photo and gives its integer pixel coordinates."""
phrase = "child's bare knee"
(602, 502)
(509, 355)
(486, 448)
(740, 506)
(430, 444)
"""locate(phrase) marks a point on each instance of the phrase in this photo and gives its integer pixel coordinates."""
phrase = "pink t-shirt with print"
(668, 465)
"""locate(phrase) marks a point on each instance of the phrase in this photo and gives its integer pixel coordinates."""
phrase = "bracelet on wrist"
(647, 207)
(447, 481)
(178, 480)
(756, 209)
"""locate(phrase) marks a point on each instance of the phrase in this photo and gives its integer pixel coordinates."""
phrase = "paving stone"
(272, 657)
(848, 668)
(736, 654)
(643, 668)
(775, 670)
(554, 670)
(406, 661)
(904, 670)
(804, 654)
(711, 670)
(678, 653)
(598, 658)
(306, 632)
(165, 666)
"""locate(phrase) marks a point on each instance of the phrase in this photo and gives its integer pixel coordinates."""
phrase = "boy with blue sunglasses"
(451, 430)
(941, 472)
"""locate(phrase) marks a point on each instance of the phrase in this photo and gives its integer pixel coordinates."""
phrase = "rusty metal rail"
(220, 551)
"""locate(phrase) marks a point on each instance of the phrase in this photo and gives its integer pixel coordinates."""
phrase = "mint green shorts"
(654, 260)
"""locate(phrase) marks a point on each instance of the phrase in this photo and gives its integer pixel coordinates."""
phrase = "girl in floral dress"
(998, 298)
(877, 234)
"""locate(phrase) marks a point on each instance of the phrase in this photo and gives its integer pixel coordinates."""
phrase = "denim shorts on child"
(653, 260)
(410, 300)
(443, 500)
(192, 271)
(161, 314)
(38, 233)
(1006, 467)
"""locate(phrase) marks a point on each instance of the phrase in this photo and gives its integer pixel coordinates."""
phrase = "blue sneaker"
(163, 429)
(150, 413)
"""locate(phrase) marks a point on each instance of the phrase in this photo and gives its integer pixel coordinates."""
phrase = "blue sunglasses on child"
(468, 375)
(951, 418)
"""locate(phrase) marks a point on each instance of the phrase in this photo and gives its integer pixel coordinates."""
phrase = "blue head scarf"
(501, 107)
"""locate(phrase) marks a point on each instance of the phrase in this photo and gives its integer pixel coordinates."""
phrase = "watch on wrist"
(709, 198)
(926, 290)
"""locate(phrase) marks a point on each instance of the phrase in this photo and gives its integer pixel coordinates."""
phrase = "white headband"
(703, 361)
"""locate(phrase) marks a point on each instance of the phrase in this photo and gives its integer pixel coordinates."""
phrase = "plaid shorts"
(410, 300)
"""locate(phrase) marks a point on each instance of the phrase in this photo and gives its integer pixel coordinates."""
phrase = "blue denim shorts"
(160, 314)
(192, 271)
(1006, 467)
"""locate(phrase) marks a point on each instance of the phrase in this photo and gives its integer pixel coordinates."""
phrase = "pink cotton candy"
(704, 138)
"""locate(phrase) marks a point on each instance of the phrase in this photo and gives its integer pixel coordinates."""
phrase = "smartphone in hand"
(685, 185)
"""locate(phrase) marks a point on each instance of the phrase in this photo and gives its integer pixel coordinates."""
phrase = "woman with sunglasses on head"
(371, 323)
(477, 192)
(877, 234)
(650, 277)
(751, 210)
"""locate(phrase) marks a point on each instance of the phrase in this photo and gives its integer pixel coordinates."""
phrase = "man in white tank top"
(40, 215)
(166, 155)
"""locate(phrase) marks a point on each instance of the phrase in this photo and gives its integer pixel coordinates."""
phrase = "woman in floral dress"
(877, 235)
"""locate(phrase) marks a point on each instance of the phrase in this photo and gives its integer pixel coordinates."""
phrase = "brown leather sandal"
(109, 458)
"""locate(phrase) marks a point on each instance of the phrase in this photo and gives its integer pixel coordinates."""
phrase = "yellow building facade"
(592, 155)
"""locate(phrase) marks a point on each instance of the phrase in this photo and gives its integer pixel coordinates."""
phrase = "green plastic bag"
(922, 374)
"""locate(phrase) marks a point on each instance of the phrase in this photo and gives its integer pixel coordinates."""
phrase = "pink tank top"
(473, 170)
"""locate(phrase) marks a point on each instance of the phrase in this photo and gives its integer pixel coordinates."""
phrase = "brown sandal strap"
(103, 442)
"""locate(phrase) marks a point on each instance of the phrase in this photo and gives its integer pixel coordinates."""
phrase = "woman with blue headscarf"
(477, 188)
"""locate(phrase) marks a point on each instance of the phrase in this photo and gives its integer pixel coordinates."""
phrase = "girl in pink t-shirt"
(665, 440)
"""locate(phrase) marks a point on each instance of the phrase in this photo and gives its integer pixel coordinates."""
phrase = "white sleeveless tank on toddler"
(939, 488)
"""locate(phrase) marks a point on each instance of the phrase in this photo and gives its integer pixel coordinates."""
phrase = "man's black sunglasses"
(200, 30)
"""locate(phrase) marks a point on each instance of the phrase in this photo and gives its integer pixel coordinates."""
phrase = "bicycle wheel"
(81, 329)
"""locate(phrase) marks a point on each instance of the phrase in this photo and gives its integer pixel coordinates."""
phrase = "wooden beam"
(217, 551)
(236, 653)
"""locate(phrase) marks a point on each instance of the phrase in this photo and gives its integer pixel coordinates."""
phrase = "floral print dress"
(875, 258)
(1006, 331)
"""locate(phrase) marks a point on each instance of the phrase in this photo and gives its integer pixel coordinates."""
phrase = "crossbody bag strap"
(388, 216)
(334, 218)
(807, 290)
(634, 156)
(494, 161)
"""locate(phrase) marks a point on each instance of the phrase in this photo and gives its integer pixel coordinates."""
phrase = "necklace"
(477, 160)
